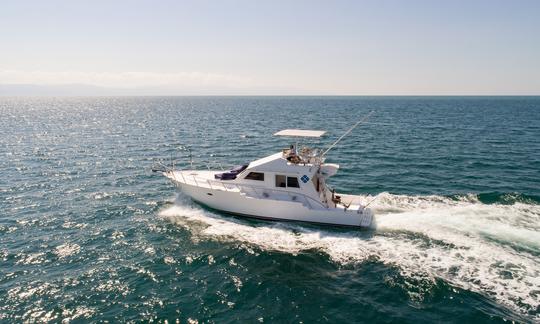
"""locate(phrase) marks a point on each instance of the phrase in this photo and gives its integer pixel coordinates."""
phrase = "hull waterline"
(239, 204)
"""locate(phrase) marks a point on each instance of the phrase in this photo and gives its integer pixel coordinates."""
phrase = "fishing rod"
(347, 132)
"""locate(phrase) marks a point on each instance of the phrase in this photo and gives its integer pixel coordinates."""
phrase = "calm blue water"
(88, 232)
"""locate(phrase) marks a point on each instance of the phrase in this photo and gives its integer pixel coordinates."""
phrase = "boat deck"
(205, 179)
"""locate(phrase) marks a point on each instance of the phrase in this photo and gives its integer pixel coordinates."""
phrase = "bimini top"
(300, 133)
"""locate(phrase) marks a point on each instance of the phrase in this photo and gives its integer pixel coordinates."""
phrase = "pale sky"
(379, 47)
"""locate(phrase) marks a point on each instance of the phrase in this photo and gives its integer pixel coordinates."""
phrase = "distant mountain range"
(91, 90)
(58, 90)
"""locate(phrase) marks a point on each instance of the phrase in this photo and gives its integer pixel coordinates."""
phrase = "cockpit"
(306, 155)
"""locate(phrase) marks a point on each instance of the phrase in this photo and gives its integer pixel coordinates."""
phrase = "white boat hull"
(242, 204)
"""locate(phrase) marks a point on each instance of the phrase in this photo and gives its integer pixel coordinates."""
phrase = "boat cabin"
(292, 170)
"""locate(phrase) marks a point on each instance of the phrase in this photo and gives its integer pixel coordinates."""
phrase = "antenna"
(347, 132)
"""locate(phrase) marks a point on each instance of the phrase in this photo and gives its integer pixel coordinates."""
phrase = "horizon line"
(276, 95)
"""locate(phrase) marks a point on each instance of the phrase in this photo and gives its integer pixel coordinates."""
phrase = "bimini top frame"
(300, 133)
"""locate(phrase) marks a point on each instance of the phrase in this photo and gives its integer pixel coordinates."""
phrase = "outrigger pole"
(347, 132)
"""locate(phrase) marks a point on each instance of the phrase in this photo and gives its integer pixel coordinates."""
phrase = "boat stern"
(366, 217)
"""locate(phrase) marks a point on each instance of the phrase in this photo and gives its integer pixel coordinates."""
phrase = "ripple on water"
(80, 240)
(67, 249)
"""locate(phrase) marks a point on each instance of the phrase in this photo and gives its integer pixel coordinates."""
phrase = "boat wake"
(492, 249)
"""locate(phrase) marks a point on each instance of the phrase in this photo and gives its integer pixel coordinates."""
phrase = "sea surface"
(89, 233)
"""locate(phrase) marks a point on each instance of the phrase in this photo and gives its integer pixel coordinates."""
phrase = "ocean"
(89, 233)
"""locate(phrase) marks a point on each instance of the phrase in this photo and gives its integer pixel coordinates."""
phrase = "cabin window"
(284, 181)
(281, 181)
(293, 182)
(259, 176)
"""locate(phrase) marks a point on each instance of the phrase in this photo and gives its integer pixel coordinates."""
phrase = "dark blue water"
(88, 232)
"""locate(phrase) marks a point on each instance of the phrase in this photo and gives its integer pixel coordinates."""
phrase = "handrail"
(239, 187)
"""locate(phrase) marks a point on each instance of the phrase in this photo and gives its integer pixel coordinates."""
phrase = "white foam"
(490, 249)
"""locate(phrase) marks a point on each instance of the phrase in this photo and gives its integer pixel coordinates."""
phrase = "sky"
(165, 47)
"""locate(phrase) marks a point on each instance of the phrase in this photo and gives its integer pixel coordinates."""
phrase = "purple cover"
(231, 175)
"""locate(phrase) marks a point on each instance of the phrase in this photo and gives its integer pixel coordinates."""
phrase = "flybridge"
(300, 133)
(318, 133)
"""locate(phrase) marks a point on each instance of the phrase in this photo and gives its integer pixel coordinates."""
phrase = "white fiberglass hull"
(239, 203)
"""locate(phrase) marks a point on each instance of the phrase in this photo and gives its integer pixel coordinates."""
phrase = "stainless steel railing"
(249, 190)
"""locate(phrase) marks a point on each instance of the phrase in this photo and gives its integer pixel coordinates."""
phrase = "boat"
(289, 185)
